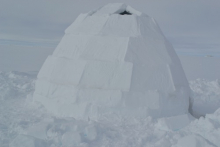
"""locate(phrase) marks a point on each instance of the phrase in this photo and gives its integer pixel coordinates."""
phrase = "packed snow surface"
(112, 64)
(27, 124)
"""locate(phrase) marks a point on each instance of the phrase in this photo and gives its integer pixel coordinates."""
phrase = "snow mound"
(113, 64)
(174, 123)
(206, 96)
(16, 115)
(208, 127)
(12, 83)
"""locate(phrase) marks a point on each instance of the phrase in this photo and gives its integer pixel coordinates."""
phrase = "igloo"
(113, 61)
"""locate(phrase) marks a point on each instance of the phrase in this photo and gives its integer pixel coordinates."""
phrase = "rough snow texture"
(206, 96)
(27, 124)
(109, 63)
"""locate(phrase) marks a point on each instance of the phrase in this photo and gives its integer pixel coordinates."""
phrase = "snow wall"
(113, 64)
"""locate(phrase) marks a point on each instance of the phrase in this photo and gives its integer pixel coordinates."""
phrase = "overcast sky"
(187, 24)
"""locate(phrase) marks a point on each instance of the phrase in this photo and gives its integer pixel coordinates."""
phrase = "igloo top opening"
(116, 8)
(125, 13)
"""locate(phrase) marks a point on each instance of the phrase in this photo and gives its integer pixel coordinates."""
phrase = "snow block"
(108, 63)
(174, 123)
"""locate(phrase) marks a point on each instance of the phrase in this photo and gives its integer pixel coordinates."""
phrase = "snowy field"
(27, 124)
(110, 79)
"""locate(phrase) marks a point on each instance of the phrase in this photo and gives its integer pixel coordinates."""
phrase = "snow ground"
(23, 123)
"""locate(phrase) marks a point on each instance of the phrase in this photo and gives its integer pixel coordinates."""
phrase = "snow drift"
(113, 64)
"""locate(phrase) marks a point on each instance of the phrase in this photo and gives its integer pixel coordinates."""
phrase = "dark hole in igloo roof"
(125, 13)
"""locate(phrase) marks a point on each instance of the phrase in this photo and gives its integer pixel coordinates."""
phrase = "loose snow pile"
(113, 64)
(206, 96)
(15, 114)
(27, 124)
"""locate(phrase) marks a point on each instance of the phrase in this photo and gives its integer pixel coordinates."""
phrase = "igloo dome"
(113, 61)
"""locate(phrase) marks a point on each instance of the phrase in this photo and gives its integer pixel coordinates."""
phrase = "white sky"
(187, 24)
